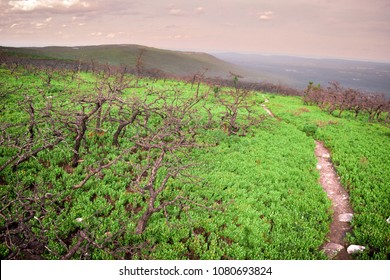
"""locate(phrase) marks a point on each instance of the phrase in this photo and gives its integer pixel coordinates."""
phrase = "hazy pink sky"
(357, 29)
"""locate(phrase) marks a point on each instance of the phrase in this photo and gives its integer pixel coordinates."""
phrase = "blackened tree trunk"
(143, 221)
(82, 128)
(122, 125)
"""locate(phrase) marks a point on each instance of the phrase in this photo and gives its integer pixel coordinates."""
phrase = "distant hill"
(299, 71)
(176, 63)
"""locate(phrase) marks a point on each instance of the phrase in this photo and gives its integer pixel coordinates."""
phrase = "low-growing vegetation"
(103, 164)
(361, 155)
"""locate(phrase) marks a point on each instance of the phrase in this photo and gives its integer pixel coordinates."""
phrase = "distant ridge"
(178, 63)
(293, 72)
(296, 72)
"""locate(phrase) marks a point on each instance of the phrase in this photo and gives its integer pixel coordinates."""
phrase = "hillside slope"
(172, 62)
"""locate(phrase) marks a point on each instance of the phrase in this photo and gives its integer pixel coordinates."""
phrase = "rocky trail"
(335, 246)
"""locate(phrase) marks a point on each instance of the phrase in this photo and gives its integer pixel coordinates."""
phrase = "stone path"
(266, 109)
(335, 248)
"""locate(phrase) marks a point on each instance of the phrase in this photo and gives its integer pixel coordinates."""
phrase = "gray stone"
(332, 249)
(346, 217)
(354, 249)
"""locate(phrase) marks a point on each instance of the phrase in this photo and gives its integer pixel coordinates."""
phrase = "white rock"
(346, 217)
(354, 249)
(388, 220)
(326, 155)
(79, 220)
(319, 166)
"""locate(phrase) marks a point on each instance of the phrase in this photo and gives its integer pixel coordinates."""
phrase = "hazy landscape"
(152, 130)
(298, 71)
(294, 72)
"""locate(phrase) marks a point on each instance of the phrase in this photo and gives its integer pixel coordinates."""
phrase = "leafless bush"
(337, 98)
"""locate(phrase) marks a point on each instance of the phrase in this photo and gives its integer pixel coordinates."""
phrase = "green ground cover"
(246, 197)
(360, 151)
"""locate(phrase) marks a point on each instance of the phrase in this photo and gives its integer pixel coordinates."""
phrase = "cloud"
(211, 24)
(30, 5)
(267, 15)
(176, 12)
(96, 33)
(40, 25)
(199, 10)
(179, 12)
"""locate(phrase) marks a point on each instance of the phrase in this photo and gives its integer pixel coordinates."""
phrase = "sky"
(350, 29)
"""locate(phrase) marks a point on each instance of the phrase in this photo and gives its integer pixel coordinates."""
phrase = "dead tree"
(335, 97)
(30, 135)
(162, 146)
(80, 124)
(238, 113)
(129, 110)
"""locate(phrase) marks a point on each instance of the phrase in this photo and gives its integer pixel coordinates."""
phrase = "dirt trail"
(335, 246)
(267, 110)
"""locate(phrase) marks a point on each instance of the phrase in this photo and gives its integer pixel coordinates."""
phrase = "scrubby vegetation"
(103, 164)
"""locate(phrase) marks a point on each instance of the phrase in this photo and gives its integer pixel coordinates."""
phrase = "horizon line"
(214, 52)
